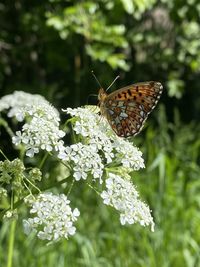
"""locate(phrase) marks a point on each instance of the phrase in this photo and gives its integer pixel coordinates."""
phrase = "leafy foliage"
(50, 48)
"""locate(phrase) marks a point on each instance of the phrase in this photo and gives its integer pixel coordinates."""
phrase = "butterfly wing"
(127, 108)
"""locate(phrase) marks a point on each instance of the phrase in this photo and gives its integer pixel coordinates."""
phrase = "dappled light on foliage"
(66, 179)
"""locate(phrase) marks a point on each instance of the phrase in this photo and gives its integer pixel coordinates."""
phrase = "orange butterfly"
(128, 108)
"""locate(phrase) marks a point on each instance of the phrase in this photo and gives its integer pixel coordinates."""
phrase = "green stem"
(7, 128)
(3, 154)
(32, 184)
(27, 187)
(21, 152)
(70, 189)
(43, 161)
(11, 243)
(66, 165)
(93, 188)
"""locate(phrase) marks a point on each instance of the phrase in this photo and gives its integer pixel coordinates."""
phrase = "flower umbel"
(84, 159)
(100, 145)
(100, 148)
(12, 173)
(53, 217)
(121, 194)
(41, 130)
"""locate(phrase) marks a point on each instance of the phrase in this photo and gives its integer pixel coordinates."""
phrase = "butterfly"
(127, 109)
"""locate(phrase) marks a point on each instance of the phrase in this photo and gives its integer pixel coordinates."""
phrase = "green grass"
(170, 184)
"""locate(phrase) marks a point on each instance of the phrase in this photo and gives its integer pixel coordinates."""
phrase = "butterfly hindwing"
(127, 108)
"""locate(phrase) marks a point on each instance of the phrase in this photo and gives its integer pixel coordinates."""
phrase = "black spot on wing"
(129, 92)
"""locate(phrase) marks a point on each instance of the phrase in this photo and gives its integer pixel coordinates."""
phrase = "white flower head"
(85, 160)
(41, 130)
(121, 194)
(53, 218)
(101, 147)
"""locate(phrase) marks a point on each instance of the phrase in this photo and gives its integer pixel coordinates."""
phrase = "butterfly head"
(102, 95)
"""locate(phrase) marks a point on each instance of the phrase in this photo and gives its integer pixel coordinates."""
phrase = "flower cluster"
(96, 152)
(41, 130)
(101, 148)
(122, 195)
(84, 159)
(53, 217)
(12, 173)
(15, 174)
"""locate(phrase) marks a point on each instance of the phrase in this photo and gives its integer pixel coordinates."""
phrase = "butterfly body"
(127, 109)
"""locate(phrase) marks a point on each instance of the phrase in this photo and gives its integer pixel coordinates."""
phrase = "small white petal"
(30, 152)
(122, 195)
(53, 217)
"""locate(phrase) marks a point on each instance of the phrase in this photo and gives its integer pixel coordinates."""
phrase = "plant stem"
(70, 187)
(3, 154)
(93, 188)
(6, 126)
(11, 243)
(43, 161)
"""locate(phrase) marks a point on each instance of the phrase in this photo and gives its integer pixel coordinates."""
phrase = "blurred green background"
(49, 47)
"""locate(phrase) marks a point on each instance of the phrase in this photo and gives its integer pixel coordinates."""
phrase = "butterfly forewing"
(127, 108)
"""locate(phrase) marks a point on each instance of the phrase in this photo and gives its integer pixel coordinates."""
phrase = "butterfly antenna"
(96, 78)
(112, 83)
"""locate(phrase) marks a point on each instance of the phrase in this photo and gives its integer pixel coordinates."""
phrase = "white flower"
(53, 217)
(84, 159)
(41, 131)
(102, 148)
(121, 194)
(129, 155)
(17, 101)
